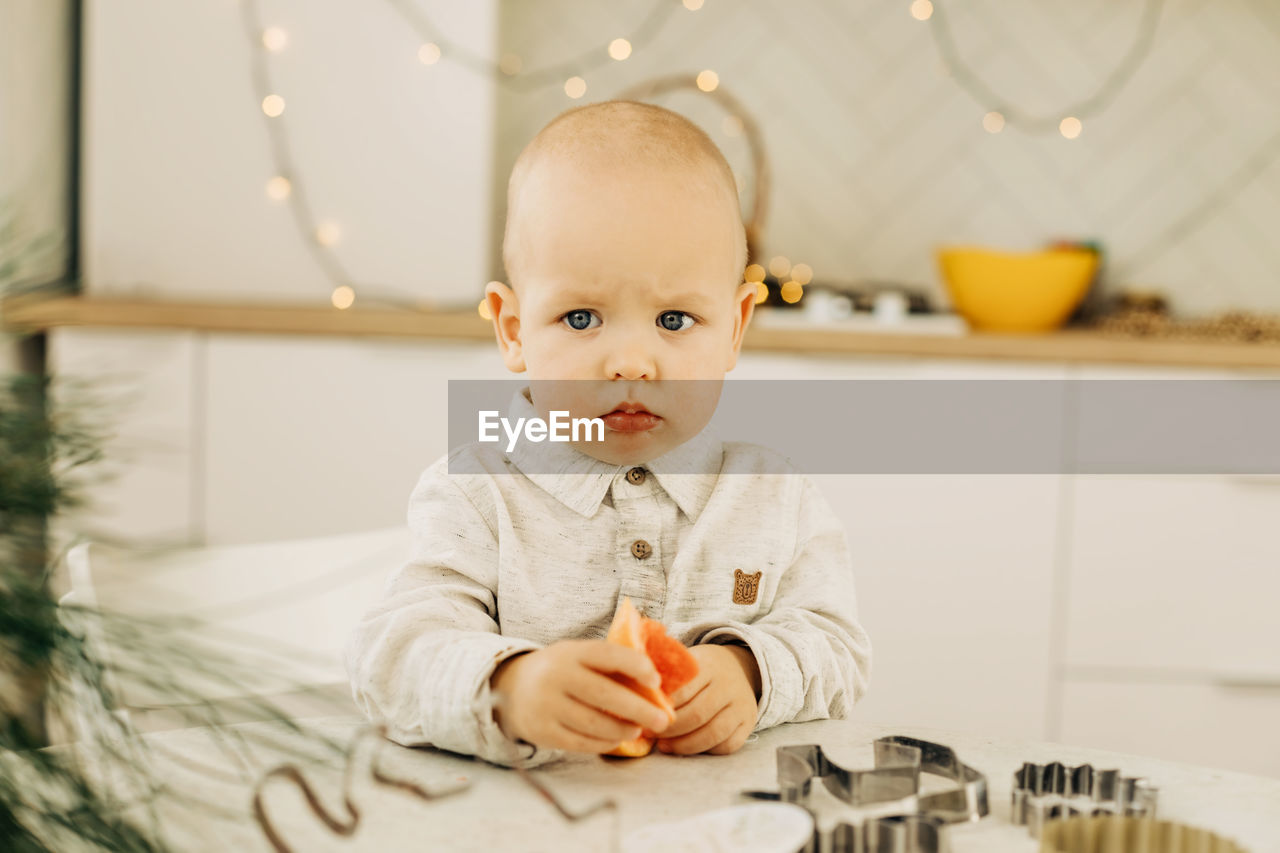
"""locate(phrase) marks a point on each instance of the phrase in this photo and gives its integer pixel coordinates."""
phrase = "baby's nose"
(630, 361)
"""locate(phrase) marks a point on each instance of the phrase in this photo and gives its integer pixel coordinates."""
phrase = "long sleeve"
(814, 657)
(420, 660)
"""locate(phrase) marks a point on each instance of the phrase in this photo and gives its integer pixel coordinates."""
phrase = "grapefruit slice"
(672, 660)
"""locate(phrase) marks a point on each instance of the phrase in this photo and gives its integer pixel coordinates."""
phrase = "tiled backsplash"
(879, 154)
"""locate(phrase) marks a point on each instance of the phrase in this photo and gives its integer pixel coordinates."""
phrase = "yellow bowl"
(1016, 291)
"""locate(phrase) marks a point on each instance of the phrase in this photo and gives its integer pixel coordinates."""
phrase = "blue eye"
(675, 321)
(581, 319)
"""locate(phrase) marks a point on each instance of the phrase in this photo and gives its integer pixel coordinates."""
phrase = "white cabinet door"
(1232, 727)
(954, 578)
(315, 437)
(1179, 575)
(954, 573)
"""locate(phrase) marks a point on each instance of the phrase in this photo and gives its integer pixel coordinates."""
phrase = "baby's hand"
(561, 696)
(717, 710)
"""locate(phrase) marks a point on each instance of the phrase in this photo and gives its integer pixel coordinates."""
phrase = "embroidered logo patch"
(745, 587)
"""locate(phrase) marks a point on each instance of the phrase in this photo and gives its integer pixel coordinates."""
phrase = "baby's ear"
(744, 306)
(505, 309)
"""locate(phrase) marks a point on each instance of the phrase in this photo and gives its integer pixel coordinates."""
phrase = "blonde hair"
(614, 133)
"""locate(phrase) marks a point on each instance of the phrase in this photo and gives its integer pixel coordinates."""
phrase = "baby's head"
(624, 249)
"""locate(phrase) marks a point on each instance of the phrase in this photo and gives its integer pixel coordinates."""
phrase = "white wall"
(878, 155)
(177, 154)
(35, 83)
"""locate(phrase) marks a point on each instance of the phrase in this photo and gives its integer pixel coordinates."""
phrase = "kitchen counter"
(1070, 346)
(501, 812)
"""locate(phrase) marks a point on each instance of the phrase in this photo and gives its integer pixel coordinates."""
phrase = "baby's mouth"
(631, 417)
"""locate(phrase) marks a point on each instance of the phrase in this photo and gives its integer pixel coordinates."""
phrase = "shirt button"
(635, 476)
(641, 549)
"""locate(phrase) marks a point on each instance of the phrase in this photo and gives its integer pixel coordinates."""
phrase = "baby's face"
(626, 280)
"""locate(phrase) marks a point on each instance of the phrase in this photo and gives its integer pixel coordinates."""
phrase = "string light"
(779, 266)
(279, 188)
(978, 89)
(755, 272)
(922, 10)
(275, 39)
(993, 122)
(762, 291)
(791, 291)
(510, 64)
(575, 87)
(693, 5)
(429, 53)
(619, 49)
(521, 80)
(273, 106)
(343, 297)
(802, 273)
(483, 310)
(328, 233)
(708, 80)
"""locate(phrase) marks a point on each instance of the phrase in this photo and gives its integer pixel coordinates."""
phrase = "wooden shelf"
(31, 313)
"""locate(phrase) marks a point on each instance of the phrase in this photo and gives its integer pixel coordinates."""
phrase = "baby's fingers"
(611, 657)
(603, 693)
(696, 713)
(596, 725)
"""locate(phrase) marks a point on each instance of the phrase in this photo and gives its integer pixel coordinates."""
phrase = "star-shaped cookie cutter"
(1043, 792)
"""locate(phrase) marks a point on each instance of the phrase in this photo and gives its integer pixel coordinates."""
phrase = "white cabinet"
(1175, 574)
(1219, 725)
(954, 572)
(954, 578)
(1129, 612)
(309, 437)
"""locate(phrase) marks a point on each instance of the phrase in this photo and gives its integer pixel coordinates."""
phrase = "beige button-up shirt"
(512, 558)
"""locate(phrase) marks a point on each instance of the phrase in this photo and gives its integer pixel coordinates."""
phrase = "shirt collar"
(687, 473)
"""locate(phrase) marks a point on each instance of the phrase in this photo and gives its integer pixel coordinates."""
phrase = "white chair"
(268, 622)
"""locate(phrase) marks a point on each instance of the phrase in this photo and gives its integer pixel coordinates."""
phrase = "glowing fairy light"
(328, 233)
(619, 49)
(779, 266)
(275, 39)
(792, 291)
(762, 292)
(575, 87)
(708, 80)
(993, 122)
(273, 106)
(483, 310)
(510, 64)
(279, 188)
(429, 53)
(1070, 127)
(755, 272)
(802, 273)
(922, 10)
(343, 297)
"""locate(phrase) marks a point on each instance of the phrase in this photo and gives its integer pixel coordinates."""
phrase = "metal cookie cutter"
(895, 779)
(1043, 792)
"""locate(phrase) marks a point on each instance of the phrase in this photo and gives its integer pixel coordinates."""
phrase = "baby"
(625, 251)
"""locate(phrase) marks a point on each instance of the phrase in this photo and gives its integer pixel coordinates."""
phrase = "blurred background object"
(1017, 291)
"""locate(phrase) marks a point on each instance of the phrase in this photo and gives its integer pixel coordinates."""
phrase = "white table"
(501, 812)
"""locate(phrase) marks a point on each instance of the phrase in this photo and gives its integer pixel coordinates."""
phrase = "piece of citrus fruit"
(670, 657)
